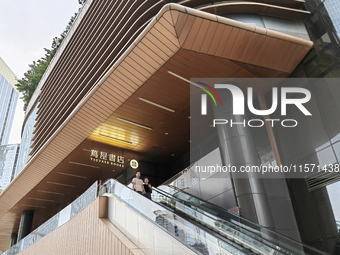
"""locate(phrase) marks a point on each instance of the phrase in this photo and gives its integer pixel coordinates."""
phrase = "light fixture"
(81, 164)
(73, 175)
(116, 139)
(40, 199)
(50, 192)
(182, 78)
(157, 105)
(33, 206)
(134, 123)
(166, 133)
(62, 184)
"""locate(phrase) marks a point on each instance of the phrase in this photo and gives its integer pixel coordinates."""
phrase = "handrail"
(253, 226)
(226, 211)
(224, 225)
(152, 211)
(224, 230)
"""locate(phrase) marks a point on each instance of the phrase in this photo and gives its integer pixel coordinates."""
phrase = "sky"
(26, 28)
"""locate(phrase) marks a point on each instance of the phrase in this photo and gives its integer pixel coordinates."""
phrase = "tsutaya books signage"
(111, 159)
(105, 158)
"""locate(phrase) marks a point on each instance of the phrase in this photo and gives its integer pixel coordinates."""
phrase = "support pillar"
(14, 238)
(238, 149)
(25, 226)
(263, 201)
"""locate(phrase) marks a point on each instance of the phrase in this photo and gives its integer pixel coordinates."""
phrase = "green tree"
(32, 77)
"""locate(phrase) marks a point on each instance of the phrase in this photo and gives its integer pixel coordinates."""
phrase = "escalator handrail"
(245, 232)
(267, 243)
(227, 212)
(235, 246)
(248, 221)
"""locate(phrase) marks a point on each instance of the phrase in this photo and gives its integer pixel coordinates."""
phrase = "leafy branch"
(32, 77)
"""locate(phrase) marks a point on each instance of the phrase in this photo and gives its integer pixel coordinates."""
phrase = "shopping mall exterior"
(118, 98)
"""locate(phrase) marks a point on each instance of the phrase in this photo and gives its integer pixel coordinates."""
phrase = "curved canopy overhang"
(182, 40)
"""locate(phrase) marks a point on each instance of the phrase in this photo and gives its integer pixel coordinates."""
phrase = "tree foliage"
(32, 77)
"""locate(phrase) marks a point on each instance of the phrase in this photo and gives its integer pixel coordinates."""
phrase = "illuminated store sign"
(134, 164)
(111, 159)
(105, 158)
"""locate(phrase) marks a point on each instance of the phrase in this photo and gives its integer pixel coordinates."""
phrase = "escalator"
(201, 227)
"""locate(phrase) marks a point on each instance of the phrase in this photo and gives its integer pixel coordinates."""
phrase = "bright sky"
(26, 28)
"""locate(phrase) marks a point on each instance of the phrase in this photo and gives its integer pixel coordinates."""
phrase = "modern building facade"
(9, 98)
(116, 100)
(8, 163)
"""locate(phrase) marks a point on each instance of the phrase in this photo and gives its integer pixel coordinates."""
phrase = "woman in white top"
(137, 184)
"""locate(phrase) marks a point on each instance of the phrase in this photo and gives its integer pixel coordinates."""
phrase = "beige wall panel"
(85, 234)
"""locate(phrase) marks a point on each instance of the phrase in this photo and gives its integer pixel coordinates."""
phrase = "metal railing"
(56, 221)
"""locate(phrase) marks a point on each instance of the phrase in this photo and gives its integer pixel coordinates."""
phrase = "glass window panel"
(326, 94)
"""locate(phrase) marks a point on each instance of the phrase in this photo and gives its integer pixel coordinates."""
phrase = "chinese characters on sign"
(105, 158)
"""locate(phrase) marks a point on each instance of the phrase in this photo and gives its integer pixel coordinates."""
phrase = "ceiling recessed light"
(166, 133)
(116, 139)
(157, 105)
(134, 123)
(62, 184)
(50, 192)
(40, 199)
(182, 78)
(172, 154)
(81, 164)
(33, 206)
(73, 175)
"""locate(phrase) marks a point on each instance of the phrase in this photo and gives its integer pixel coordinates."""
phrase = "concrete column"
(263, 201)
(25, 226)
(14, 238)
(237, 149)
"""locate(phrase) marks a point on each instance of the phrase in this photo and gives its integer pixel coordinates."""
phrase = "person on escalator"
(137, 184)
(147, 188)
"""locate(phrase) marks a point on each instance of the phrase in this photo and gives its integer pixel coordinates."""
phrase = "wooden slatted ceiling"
(105, 33)
(171, 42)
